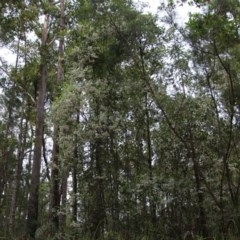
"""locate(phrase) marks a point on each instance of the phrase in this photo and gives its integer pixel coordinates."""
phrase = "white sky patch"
(182, 10)
(7, 56)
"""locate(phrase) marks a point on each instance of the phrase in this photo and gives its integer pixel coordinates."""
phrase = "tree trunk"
(74, 182)
(55, 189)
(115, 184)
(55, 194)
(36, 167)
(63, 203)
(4, 155)
(98, 205)
(201, 223)
(17, 174)
(149, 159)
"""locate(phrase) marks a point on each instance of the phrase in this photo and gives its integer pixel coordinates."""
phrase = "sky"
(182, 11)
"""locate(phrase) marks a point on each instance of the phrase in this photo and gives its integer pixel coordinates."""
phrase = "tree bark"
(201, 224)
(149, 159)
(63, 203)
(55, 193)
(36, 167)
(4, 155)
(17, 174)
(55, 181)
(99, 213)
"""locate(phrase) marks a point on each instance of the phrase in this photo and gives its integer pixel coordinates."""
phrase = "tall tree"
(36, 168)
(55, 178)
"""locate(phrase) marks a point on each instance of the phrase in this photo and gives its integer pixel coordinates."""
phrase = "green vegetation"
(117, 124)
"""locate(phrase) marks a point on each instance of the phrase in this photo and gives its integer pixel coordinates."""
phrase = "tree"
(117, 124)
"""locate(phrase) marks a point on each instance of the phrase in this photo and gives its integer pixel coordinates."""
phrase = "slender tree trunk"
(74, 176)
(74, 181)
(202, 216)
(74, 170)
(4, 155)
(149, 159)
(201, 224)
(55, 181)
(63, 203)
(115, 184)
(36, 167)
(99, 214)
(55, 193)
(17, 174)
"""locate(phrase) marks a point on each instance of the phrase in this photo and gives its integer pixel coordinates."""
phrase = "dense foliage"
(119, 124)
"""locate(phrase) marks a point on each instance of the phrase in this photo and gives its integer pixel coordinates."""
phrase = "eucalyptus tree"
(36, 167)
(144, 132)
(214, 38)
(55, 194)
(114, 107)
(21, 19)
(17, 119)
(18, 91)
(9, 159)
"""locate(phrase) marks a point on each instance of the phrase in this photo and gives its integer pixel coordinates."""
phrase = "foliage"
(139, 120)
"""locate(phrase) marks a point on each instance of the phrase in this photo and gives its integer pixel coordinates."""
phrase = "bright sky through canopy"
(182, 11)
